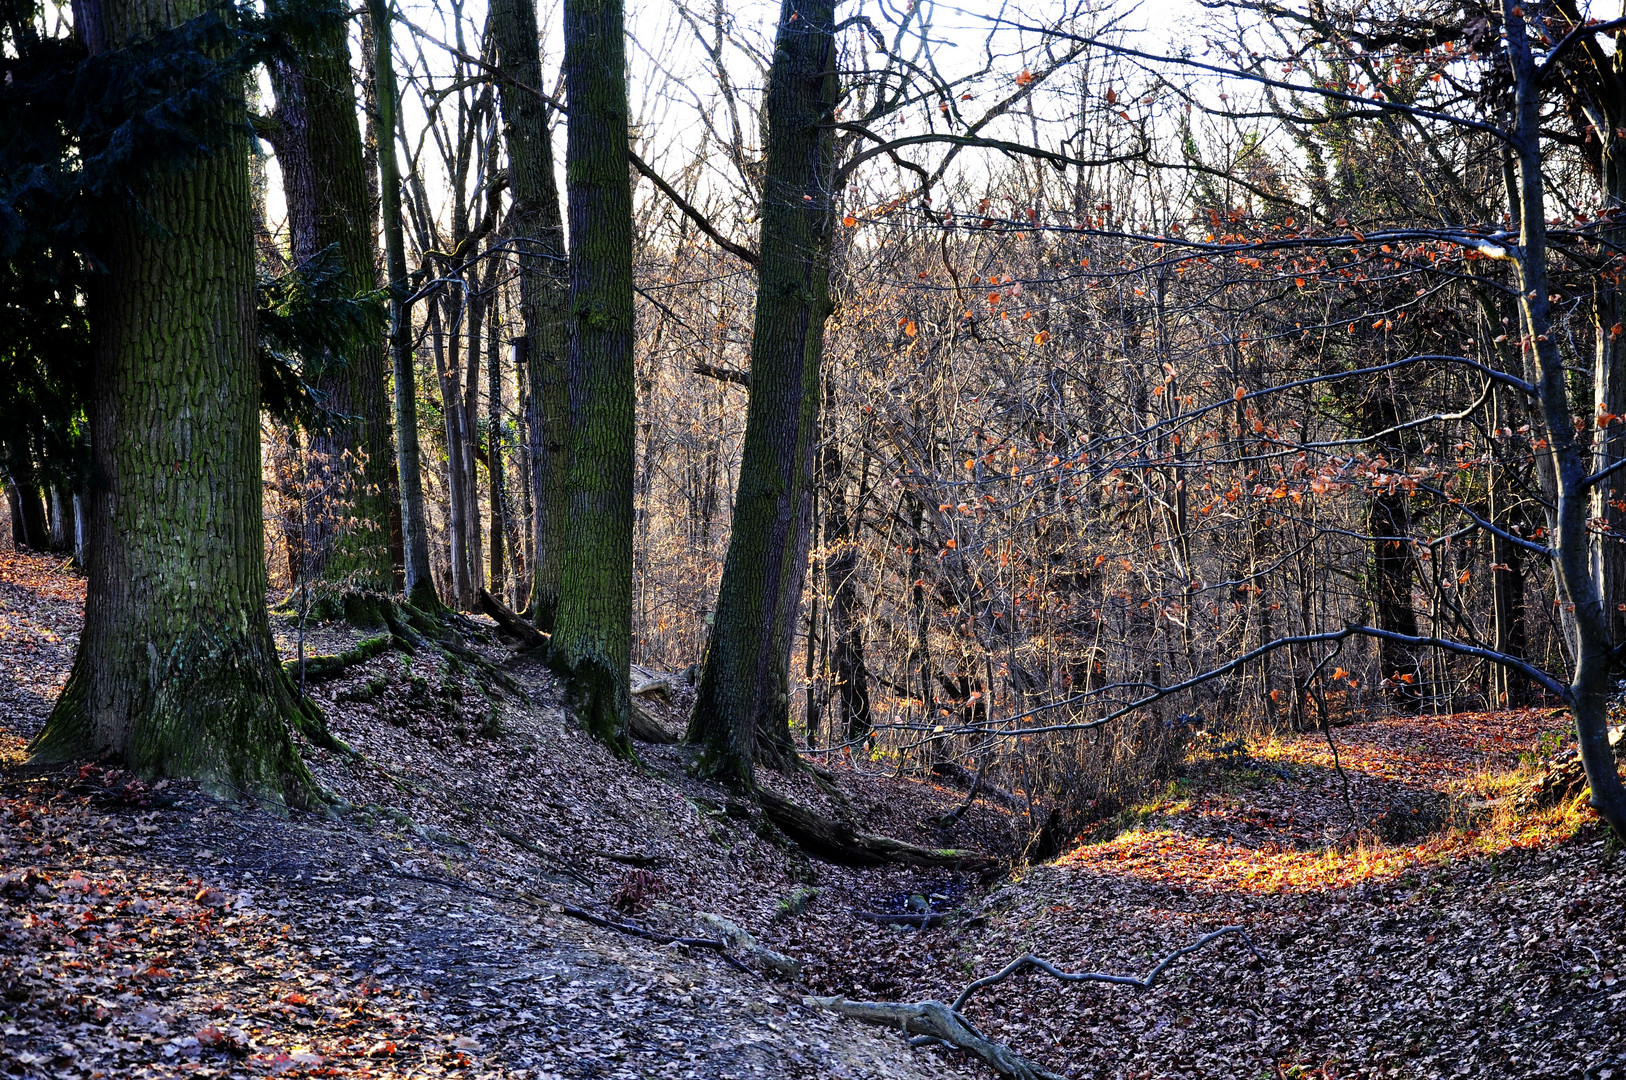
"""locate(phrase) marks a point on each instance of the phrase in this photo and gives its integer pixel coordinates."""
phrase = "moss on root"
(218, 710)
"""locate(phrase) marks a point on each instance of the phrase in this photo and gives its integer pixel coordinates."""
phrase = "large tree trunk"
(535, 223)
(418, 578)
(742, 703)
(176, 672)
(319, 147)
(592, 637)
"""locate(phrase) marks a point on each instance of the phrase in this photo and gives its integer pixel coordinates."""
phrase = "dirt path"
(154, 933)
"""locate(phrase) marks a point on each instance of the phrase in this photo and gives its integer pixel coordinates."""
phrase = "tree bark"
(537, 228)
(419, 581)
(445, 326)
(325, 182)
(841, 573)
(494, 464)
(742, 705)
(176, 672)
(27, 505)
(1592, 685)
(592, 637)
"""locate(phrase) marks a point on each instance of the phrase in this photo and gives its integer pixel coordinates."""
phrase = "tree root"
(938, 1023)
(328, 666)
(840, 842)
(935, 1022)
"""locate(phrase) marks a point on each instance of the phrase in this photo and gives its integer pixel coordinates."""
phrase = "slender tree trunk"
(418, 579)
(592, 637)
(742, 705)
(29, 528)
(176, 672)
(1609, 371)
(841, 567)
(1509, 689)
(526, 525)
(1593, 685)
(445, 326)
(494, 462)
(324, 178)
(536, 225)
(471, 432)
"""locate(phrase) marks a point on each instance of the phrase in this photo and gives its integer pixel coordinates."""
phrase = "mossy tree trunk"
(538, 230)
(324, 178)
(419, 579)
(592, 636)
(176, 673)
(742, 711)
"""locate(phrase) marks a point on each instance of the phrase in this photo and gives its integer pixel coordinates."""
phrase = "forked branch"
(934, 1021)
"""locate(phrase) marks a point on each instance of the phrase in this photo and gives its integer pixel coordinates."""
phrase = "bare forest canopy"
(1022, 388)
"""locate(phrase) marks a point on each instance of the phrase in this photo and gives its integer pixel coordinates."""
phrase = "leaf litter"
(146, 931)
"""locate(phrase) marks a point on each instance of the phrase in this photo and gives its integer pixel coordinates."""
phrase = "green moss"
(328, 666)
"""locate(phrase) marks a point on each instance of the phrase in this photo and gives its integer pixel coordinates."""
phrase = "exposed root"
(935, 1022)
(938, 1023)
(318, 668)
(838, 841)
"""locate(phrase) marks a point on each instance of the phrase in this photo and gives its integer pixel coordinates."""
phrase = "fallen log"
(643, 726)
(924, 920)
(512, 625)
(839, 842)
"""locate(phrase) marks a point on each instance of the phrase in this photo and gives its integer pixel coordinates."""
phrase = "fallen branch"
(946, 821)
(950, 770)
(514, 626)
(628, 859)
(838, 841)
(925, 920)
(936, 1022)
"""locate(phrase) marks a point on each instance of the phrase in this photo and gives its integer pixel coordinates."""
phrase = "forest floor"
(1410, 921)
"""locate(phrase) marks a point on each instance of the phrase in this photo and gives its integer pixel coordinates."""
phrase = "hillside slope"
(429, 928)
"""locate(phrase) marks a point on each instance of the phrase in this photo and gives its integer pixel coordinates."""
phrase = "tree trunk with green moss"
(742, 711)
(538, 233)
(592, 636)
(176, 673)
(319, 148)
